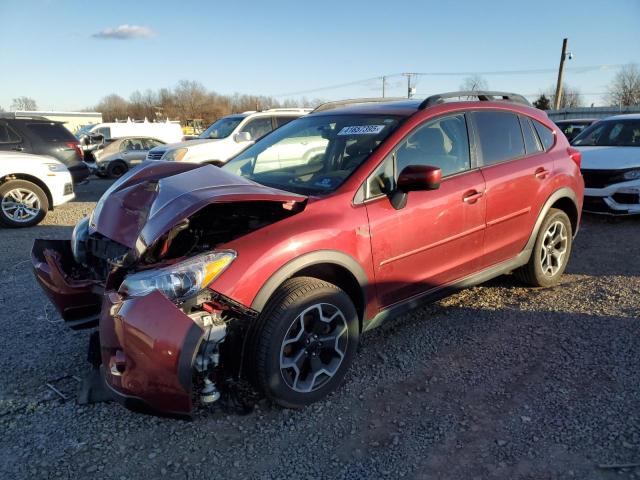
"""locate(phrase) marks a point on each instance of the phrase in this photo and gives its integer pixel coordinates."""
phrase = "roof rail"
(14, 116)
(354, 101)
(288, 109)
(481, 95)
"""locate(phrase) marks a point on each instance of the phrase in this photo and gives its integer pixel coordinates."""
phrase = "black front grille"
(602, 178)
(627, 198)
(68, 188)
(595, 204)
(155, 155)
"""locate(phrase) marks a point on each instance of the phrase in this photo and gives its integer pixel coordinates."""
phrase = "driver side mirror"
(415, 178)
(242, 137)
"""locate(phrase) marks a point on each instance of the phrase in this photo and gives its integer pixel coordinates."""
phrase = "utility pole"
(563, 56)
(384, 79)
(408, 75)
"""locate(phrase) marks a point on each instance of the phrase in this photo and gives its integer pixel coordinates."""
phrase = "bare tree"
(188, 100)
(625, 89)
(113, 107)
(474, 83)
(571, 96)
(24, 103)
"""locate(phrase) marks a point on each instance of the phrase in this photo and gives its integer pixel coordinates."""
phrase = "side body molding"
(290, 268)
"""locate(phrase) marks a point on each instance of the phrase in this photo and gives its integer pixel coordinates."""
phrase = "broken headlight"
(180, 280)
(79, 240)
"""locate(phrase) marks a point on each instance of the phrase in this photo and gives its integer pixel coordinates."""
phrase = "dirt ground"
(498, 381)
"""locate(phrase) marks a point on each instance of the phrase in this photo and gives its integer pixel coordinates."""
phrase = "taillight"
(76, 146)
(575, 155)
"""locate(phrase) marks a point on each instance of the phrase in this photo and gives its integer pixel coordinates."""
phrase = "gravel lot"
(498, 381)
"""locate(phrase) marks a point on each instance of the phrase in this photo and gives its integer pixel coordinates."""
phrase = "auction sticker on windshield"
(361, 130)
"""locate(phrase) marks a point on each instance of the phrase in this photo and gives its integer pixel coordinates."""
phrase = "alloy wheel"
(21, 205)
(314, 347)
(553, 248)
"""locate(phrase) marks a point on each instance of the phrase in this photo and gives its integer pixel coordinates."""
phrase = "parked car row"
(611, 165)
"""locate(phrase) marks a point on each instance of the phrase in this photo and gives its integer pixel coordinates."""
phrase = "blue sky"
(49, 51)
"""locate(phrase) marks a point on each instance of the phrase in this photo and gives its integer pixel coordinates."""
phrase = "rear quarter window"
(500, 136)
(546, 135)
(7, 135)
(51, 132)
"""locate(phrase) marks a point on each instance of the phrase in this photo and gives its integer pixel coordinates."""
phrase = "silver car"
(115, 158)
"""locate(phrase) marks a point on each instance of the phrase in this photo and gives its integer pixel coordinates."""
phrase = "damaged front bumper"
(67, 284)
(617, 199)
(148, 348)
(148, 352)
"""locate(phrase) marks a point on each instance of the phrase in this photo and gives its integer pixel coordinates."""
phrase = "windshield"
(314, 154)
(221, 128)
(610, 133)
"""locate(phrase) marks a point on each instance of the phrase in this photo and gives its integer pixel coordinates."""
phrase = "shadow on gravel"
(91, 191)
(606, 246)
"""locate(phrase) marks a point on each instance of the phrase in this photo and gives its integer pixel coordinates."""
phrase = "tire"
(116, 169)
(546, 264)
(22, 204)
(101, 175)
(278, 339)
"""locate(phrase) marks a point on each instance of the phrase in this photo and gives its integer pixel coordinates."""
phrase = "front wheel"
(306, 339)
(22, 204)
(550, 253)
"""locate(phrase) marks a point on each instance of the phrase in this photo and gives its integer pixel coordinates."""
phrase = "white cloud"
(125, 32)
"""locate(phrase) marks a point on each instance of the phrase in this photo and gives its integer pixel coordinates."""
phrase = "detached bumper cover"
(78, 300)
(617, 199)
(148, 346)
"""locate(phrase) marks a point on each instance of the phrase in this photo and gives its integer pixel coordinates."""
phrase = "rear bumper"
(79, 172)
(617, 199)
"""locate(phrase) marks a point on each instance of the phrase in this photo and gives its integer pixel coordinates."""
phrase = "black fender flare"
(564, 192)
(317, 257)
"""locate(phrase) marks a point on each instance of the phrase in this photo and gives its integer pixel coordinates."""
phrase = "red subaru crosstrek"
(270, 268)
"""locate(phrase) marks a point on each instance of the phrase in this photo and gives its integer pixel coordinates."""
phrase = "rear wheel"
(22, 203)
(550, 253)
(116, 169)
(305, 341)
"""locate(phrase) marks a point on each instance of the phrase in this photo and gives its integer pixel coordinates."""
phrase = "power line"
(379, 78)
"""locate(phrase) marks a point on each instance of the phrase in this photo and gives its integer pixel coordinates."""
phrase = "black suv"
(43, 137)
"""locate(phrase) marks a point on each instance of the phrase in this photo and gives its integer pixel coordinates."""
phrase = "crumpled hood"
(151, 199)
(609, 158)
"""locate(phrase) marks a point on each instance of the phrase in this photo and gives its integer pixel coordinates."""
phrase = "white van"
(227, 137)
(168, 132)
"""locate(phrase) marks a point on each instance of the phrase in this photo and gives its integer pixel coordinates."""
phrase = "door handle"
(472, 197)
(541, 173)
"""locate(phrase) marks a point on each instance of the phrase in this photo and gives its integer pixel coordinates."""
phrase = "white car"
(167, 132)
(611, 165)
(227, 137)
(30, 186)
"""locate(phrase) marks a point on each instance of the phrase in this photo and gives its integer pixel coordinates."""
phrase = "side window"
(500, 136)
(150, 143)
(531, 143)
(280, 121)
(104, 131)
(7, 135)
(545, 134)
(441, 143)
(125, 146)
(258, 128)
(382, 180)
